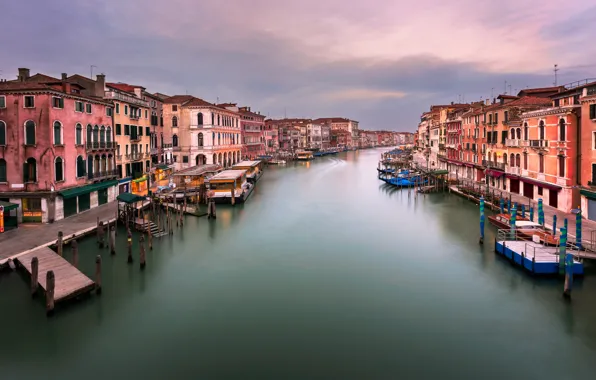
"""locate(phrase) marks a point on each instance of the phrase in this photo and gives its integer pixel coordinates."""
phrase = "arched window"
(212, 120)
(512, 159)
(102, 134)
(200, 118)
(57, 133)
(518, 133)
(89, 134)
(78, 134)
(517, 160)
(29, 132)
(3, 174)
(214, 158)
(90, 166)
(495, 157)
(174, 121)
(96, 169)
(562, 130)
(200, 138)
(512, 133)
(95, 134)
(30, 170)
(526, 132)
(109, 134)
(80, 167)
(504, 158)
(175, 140)
(541, 130)
(58, 169)
(2, 133)
(218, 120)
(219, 139)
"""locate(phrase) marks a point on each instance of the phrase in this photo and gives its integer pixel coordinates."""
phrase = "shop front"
(124, 185)
(139, 186)
(83, 198)
(32, 211)
(8, 216)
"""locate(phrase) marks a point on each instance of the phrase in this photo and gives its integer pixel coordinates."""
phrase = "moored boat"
(304, 156)
(228, 184)
(254, 169)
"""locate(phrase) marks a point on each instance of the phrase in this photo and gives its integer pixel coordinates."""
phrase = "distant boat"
(277, 162)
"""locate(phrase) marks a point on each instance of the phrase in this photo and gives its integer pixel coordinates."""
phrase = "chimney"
(64, 76)
(487, 102)
(100, 85)
(23, 74)
(65, 85)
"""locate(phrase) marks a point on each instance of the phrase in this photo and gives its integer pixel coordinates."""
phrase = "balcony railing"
(541, 177)
(524, 143)
(513, 170)
(134, 117)
(135, 137)
(119, 157)
(100, 145)
(493, 164)
(441, 146)
(126, 98)
(512, 142)
(134, 156)
(154, 151)
(102, 174)
(562, 181)
(539, 143)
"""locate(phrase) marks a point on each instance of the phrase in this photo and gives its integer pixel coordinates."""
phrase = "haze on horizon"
(380, 62)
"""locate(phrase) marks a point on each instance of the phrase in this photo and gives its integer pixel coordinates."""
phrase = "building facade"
(252, 128)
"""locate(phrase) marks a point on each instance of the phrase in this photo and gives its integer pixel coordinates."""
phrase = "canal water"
(325, 273)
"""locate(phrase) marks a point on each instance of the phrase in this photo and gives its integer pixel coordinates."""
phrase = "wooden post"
(60, 243)
(150, 234)
(116, 223)
(142, 251)
(75, 253)
(171, 225)
(129, 243)
(50, 284)
(233, 200)
(100, 235)
(112, 240)
(34, 274)
(98, 274)
(97, 230)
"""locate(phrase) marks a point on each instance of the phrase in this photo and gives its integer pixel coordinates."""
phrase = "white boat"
(277, 162)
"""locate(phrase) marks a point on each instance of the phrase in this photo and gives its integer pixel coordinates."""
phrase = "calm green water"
(324, 273)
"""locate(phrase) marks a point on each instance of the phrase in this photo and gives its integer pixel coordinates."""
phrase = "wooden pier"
(69, 283)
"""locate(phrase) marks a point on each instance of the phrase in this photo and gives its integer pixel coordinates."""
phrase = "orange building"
(587, 159)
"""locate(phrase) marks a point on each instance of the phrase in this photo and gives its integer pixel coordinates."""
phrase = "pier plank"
(70, 282)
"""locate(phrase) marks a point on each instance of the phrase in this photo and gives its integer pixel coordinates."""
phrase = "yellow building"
(132, 120)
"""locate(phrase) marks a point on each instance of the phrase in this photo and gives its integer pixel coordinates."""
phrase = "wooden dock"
(70, 282)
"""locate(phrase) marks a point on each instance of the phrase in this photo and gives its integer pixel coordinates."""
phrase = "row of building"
(72, 143)
(539, 143)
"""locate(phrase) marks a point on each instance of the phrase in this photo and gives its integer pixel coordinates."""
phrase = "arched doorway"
(201, 159)
(225, 159)
(214, 158)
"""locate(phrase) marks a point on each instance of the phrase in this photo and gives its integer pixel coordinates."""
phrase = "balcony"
(131, 99)
(176, 149)
(441, 157)
(512, 142)
(135, 137)
(558, 144)
(562, 181)
(513, 170)
(441, 146)
(119, 157)
(154, 151)
(134, 117)
(539, 143)
(134, 156)
(102, 174)
(540, 176)
(524, 143)
(493, 165)
(90, 146)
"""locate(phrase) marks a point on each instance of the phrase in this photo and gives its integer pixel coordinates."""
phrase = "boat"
(501, 221)
(277, 162)
(254, 169)
(227, 183)
(304, 156)
(536, 232)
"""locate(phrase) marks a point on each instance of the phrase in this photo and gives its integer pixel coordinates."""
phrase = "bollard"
(98, 274)
(112, 240)
(150, 234)
(34, 275)
(60, 243)
(233, 199)
(142, 251)
(75, 253)
(568, 276)
(129, 243)
(50, 284)
(100, 235)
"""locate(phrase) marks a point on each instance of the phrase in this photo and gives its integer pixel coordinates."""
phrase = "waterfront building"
(340, 138)
(340, 123)
(156, 124)
(202, 133)
(56, 147)
(313, 135)
(133, 135)
(271, 135)
(252, 125)
(587, 161)
(325, 136)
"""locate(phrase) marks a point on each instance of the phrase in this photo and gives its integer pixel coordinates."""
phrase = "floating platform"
(534, 257)
(70, 282)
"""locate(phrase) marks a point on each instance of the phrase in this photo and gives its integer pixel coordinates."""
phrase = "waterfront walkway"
(31, 236)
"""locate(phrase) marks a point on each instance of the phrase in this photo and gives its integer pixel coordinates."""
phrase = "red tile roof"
(224, 105)
(178, 99)
(123, 87)
(197, 102)
(33, 86)
(530, 101)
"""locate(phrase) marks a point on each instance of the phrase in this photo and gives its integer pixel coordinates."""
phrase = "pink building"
(56, 148)
(253, 133)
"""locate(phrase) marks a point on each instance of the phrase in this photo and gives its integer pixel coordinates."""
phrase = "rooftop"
(246, 164)
(124, 87)
(229, 174)
(198, 170)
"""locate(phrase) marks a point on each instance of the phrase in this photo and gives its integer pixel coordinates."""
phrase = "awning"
(511, 176)
(162, 167)
(9, 206)
(439, 172)
(75, 192)
(494, 173)
(550, 186)
(468, 165)
(585, 192)
(142, 179)
(130, 198)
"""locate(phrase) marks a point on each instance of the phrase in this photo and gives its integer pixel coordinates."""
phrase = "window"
(58, 169)
(526, 132)
(29, 101)
(593, 173)
(218, 120)
(147, 148)
(125, 109)
(200, 138)
(146, 114)
(147, 131)
(175, 140)
(541, 130)
(3, 176)
(174, 108)
(185, 159)
(592, 111)
(518, 133)
(496, 118)
(506, 116)
(89, 134)
(80, 167)
(561, 166)
(118, 129)
(2, 101)
(174, 121)
(2, 133)
(30, 170)
(541, 163)
(212, 119)
(88, 107)
(512, 134)
(140, 131)
(200, 118)
(57, 133)
(29, 133)
(79, 134)
(102, 135)
(108, 134)
(57, 102)
(504, 158)
(517, 160)
(526, 161)
(117, 107)
(109, 112)
(562, 130)
(540, 191)
(490, 119)
(79, 106)
(126, 130)
(503, 137)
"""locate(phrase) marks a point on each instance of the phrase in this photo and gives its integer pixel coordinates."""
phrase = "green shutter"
(140, 131)
(30, 137)
(25, 172)
(2, 133)
(592, 111)
(118, 129)
(147, 131)
(3, 171)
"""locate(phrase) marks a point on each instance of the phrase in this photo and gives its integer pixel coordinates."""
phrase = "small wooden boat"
(277, 162)
(501, 221)
(304, 156)
(526, 229)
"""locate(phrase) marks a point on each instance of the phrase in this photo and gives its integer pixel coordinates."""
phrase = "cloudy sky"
(381, 62)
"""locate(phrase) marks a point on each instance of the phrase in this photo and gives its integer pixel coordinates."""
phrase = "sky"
(381, 62)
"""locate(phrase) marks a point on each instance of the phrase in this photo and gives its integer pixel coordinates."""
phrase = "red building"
(56, 147)
(252, 128)
(340, 138)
